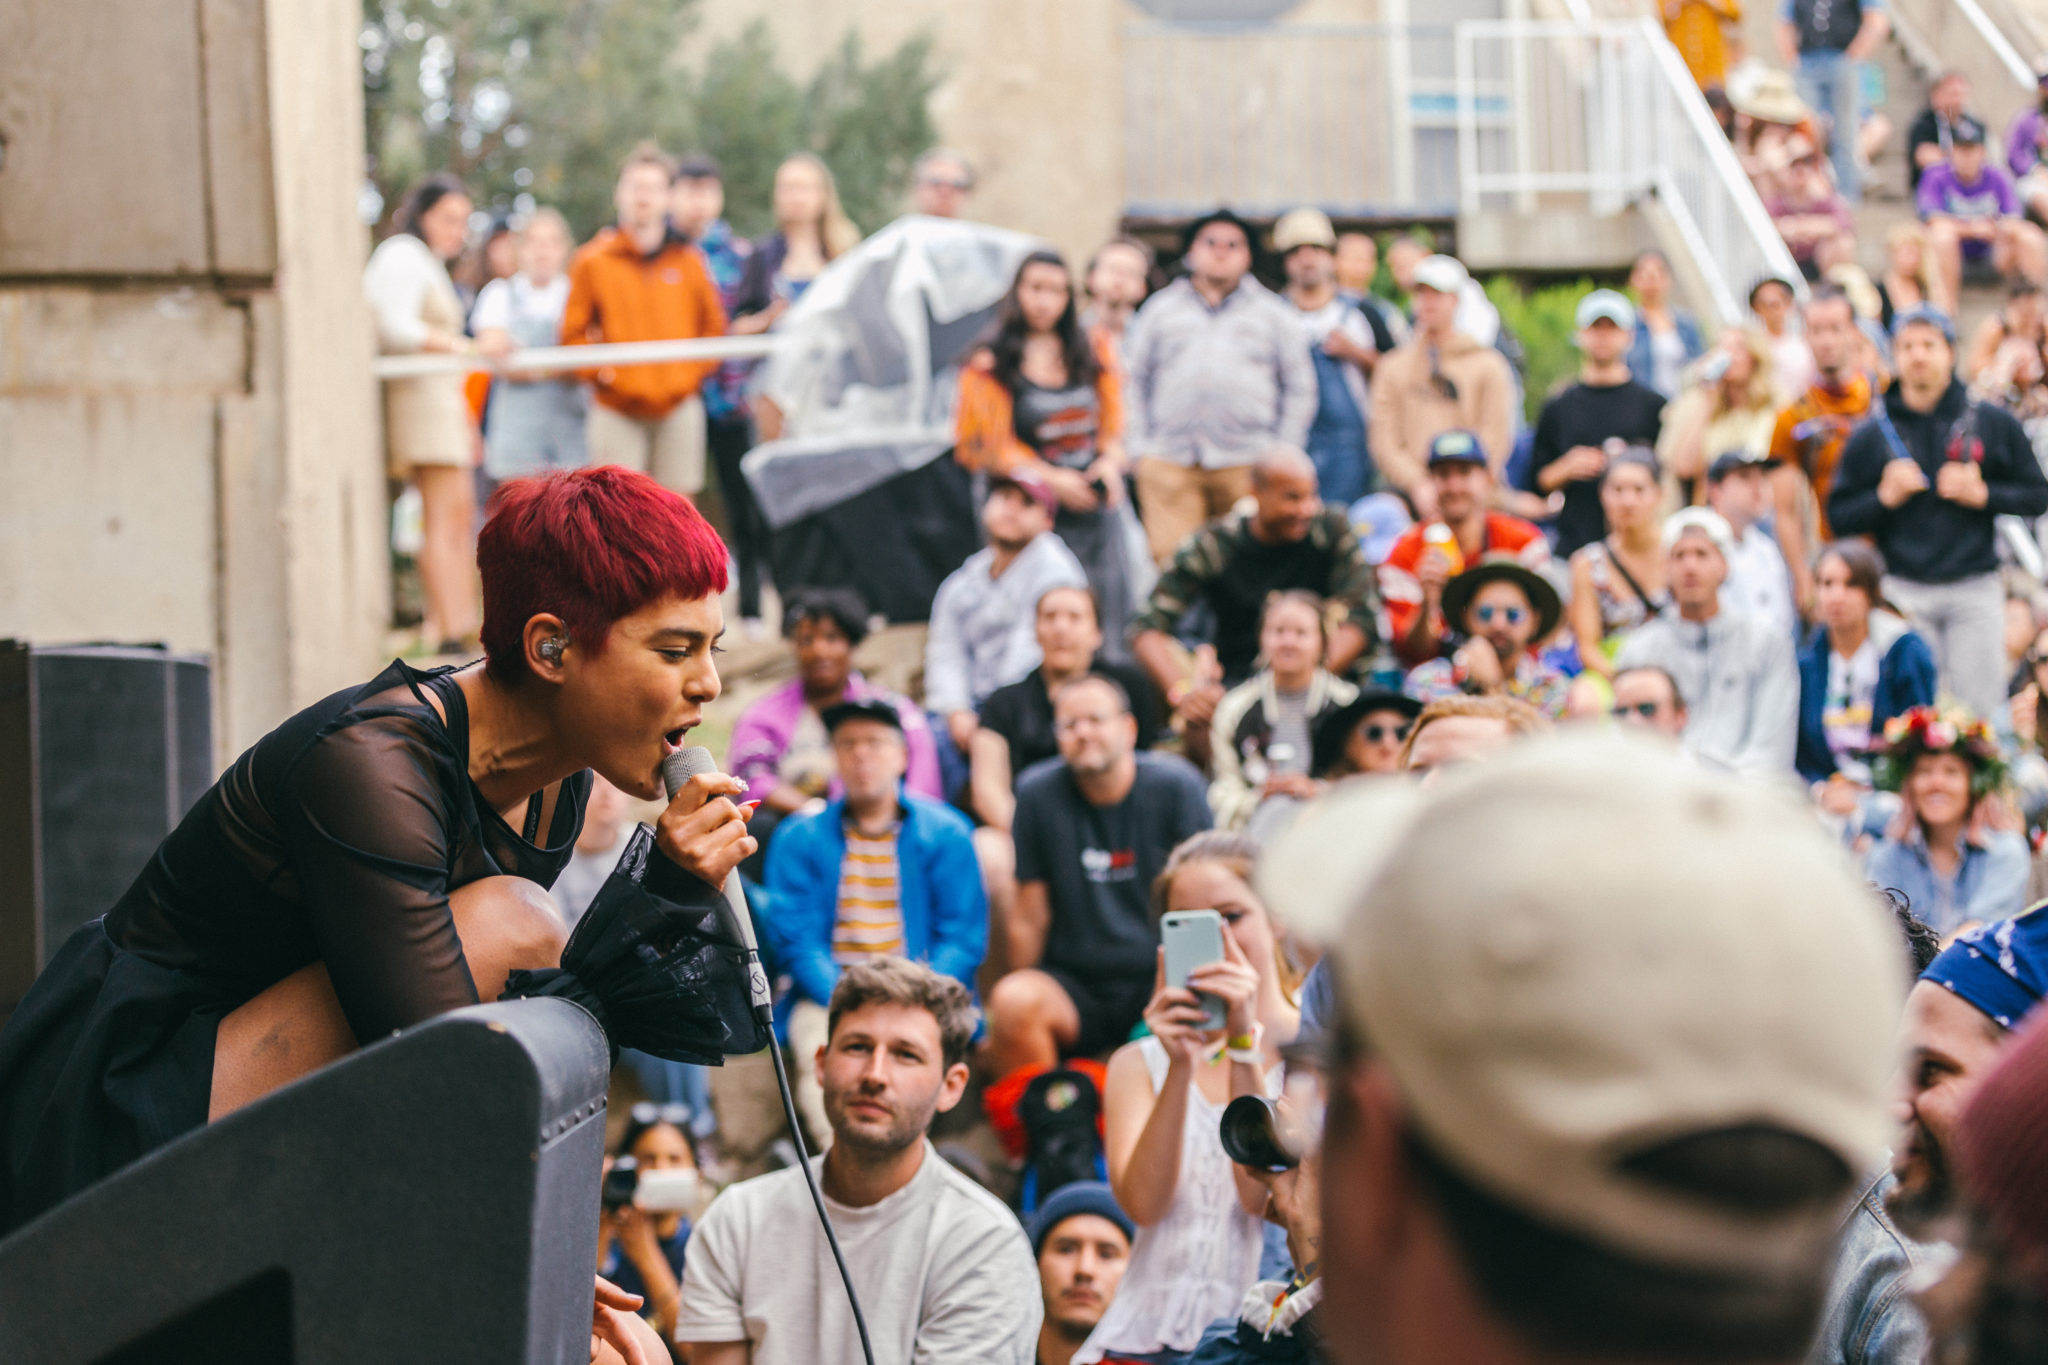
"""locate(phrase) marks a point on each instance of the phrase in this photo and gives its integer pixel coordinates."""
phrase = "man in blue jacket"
(877, 873)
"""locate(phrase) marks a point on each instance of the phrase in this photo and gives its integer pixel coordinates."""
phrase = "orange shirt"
(1811, 433)
(617, 294)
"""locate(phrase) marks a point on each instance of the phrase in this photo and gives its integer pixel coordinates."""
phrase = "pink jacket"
(764, 730)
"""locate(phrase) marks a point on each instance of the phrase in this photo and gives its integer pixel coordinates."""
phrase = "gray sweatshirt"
(1740, 683)
(1212, 388)
(984, 630)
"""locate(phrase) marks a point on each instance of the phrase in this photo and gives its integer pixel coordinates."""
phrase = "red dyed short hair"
(589, 546)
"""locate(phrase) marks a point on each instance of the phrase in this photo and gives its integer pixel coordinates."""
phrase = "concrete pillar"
(188, 431)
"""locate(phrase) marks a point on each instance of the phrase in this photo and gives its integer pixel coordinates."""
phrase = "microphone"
(676, 770)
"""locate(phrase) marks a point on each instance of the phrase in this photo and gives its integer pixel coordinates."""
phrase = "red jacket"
(1401, 590)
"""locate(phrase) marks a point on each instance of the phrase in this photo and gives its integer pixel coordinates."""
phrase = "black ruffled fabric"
(655, 963)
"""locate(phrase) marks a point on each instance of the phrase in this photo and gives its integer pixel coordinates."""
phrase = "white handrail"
(553, 359)
(1994, 38)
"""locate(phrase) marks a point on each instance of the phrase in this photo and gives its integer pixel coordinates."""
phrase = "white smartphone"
(1193, 938)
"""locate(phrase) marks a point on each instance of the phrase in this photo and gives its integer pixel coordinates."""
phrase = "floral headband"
(1924, 730)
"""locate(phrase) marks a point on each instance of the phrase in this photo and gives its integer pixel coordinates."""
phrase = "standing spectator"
(1092, 831)
(536, 421)
(1217, 375)
(1771, 300)
(1618, 580)
(1813, 216)
(2026, 150)
(779, 745)
(639, 282)
(697, 213)
(1082, 1240)
(1862, 666)
(1730, 401)
(1666, 338)
(1364, 736)
(1942, 851)
(1413, 575)
(1502, 609)
(1908, 278)
(1474, 315)
(1043, 397)
(1930, 138)
(1260, 740)
(1641, 1168)
(1340, 343)
(981, 628)
(1287, 539)
(1198, 1216)
(1759, 585)
(941, 182)
(1695, 29)
(1974, 223)
(1925, 478)
(1358, 264)
(428, 435)
(1825, 42)
(1807, 437)
(1118, 281)
(1737, 675)
(1581, 428)
(878, 872)
(941, 1267)
(1442, 380)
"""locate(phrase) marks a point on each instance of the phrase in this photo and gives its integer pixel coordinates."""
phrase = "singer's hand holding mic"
(704, 829)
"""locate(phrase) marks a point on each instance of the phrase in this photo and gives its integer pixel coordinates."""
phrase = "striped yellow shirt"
(870, 922)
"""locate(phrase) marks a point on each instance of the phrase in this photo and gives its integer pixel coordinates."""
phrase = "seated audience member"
(1413, 575)
(942, 1268)
(1091, 831)
(1666, 338)
(981, 625)
(1974, 222)
(1584, 423)
(1618, 580)
(1648, 698)
(1364, 736)
(2005, 350)
(640, 1251)
(1082, 1240)
(1460, 729)
(779, 745)
(1759, 584)
(1287, 539)
(1943, 850)
(1042, 396)
(1771, 299)
(1811, 215)
(1198, 1216)
(1861, 666)
(1931, 137)
(1260, 743)
(1730, 401)
(878, 872)
(607, 825)
(1503, 610)
(1908, 278)
(2026, 150)
(1482, 1200)
(1737, 676)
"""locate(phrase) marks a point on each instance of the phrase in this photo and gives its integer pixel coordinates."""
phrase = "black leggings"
(730, 438)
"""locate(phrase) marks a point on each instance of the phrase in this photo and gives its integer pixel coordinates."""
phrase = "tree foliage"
(537, 101)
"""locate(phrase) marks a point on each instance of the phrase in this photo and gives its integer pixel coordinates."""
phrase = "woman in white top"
(536, 420)
(429, 438)
(1199, 1217)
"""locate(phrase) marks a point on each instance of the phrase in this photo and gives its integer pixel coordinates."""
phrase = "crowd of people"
(1250, 552)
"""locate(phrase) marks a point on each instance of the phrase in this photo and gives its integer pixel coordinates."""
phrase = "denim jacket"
(1991, 883)
(1868, 1318)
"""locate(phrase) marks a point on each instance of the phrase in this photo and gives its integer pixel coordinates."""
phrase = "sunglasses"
(1382, 734)
(675, 1115)
(940, 182)
(2036, 660)
(1646, 709)
(1514, 616)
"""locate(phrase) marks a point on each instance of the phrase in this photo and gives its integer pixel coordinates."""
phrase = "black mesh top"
(337, 838)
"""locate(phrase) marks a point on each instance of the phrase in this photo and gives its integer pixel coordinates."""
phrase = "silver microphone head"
(684, 764)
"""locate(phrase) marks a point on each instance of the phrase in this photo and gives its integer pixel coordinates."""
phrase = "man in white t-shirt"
(1759, 585)
(943, 1270)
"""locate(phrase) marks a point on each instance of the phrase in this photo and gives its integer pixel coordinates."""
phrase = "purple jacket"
(2023, 142)
(1991, 197)
(764, 730)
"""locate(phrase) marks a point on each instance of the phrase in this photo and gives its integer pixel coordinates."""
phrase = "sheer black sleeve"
(368, 816)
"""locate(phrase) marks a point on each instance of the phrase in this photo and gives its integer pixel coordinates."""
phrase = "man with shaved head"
(1285, 539)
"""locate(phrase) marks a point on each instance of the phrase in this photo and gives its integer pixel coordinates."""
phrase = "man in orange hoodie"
(640, 282)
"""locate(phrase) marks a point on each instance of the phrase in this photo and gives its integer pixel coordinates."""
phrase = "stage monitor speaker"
(432, 1198)
(103, 748)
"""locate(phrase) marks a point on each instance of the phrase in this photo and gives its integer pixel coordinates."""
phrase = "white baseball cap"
(1445, 274)
(1584, 947)
(1605, 304)
(1707, 522)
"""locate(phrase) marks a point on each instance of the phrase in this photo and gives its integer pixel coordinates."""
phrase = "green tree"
(537, 101)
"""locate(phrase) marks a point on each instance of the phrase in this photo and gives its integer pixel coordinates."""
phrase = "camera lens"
(621, 1182)
(1250, 1138)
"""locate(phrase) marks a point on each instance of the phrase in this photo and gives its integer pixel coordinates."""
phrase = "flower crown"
(1924, 730)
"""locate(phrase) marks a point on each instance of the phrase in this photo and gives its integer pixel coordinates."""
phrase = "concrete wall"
(187, 424)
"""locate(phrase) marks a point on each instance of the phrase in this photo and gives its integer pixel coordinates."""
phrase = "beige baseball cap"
(1304, 227)
(1586, 946)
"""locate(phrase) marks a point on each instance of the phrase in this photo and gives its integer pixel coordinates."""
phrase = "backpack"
(1061, 1113)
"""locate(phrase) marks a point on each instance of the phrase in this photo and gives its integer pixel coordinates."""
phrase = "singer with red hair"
(384, 855)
